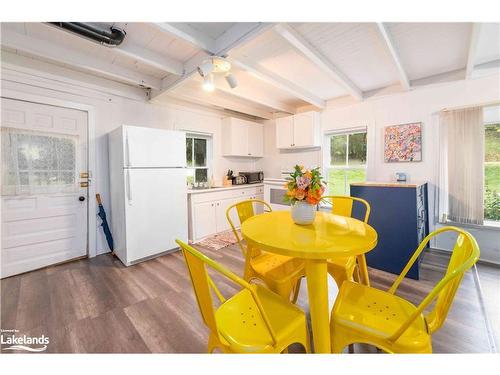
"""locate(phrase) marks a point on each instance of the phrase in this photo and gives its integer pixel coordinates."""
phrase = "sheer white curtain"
(35, 162)
(461, 159)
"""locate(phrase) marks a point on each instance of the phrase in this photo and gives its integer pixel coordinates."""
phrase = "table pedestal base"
(317, 289)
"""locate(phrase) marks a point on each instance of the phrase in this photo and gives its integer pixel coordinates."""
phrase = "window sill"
(488, 225)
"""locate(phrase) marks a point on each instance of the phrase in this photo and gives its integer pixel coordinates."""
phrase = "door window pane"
(338, 149)
(200, 152)
(35, 160)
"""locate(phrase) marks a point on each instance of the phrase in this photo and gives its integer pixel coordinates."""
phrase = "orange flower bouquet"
(304, 191)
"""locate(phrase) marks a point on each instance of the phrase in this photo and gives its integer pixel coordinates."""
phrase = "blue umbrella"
(104, 224)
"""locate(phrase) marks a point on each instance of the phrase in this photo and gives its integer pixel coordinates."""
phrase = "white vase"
(303, 213)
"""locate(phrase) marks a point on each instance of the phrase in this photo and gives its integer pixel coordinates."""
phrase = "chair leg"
(296, 291)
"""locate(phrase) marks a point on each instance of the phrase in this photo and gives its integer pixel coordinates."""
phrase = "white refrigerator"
(148, 191)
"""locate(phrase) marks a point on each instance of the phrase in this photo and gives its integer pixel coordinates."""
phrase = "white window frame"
(208, 158)
(326, 152)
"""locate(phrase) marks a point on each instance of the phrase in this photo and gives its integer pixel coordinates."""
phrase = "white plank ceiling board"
(428, 49)
(275, 54)
(212, 29)
(356, 49)
(151, 37)
(488, 45)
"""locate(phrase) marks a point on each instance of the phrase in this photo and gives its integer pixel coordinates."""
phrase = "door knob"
(81, 198)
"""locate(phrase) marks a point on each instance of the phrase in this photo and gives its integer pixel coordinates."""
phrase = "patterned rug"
(218, 241)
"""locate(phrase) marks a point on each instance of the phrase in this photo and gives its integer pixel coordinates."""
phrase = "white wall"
(418, 105)
(112, 111)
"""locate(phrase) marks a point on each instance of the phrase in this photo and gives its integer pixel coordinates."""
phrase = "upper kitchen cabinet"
(242, 138)
(298, 131)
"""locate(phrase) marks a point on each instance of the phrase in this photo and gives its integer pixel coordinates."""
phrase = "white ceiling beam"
(471, 56)
(315, 56)
(256, 98)
(278, 82)
(53, 52)
(230, 39)
(220, 100)
(403, 78)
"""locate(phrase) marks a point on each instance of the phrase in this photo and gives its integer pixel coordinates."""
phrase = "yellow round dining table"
(330, 236)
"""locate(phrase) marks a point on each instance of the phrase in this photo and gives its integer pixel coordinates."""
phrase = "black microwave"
(253, 177)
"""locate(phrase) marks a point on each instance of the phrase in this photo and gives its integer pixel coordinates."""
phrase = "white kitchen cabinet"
(298, 131)
(284, 132)
(204, 219)
(207, 210)
(255, 138)
(242, 138)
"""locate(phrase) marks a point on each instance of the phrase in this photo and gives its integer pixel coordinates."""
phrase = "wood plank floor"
(99, 306)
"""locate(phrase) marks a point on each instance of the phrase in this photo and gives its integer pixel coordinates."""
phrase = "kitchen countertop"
(223, 188)
(388, 184)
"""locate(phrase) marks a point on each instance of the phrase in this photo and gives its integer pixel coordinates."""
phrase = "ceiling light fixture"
(231, 80)
(208, 83)
(213, 66)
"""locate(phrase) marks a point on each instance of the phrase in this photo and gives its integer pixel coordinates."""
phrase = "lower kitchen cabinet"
(207, 209)
(399, 214)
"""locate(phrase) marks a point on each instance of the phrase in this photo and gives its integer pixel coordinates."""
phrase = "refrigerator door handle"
(127, 147)
(129, 190)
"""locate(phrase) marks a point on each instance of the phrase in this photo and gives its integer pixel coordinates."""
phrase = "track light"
(216, 65)
(206, 68)
(208, 83)
(231, 80)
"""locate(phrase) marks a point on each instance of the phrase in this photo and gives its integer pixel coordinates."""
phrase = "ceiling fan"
(216, 65)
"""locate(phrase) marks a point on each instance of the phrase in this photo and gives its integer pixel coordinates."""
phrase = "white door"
(256, 140)
(155, 211)
(44, 208)
(148, 147)
(204, 220)
(303, 129)
(284, 132)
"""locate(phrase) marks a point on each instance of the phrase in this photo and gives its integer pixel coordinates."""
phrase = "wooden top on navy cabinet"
(399, 214)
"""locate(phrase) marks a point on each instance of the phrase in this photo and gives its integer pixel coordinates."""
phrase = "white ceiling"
(428, 49)
(353, 58)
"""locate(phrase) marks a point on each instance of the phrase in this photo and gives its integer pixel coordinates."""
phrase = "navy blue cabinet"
(399, 214)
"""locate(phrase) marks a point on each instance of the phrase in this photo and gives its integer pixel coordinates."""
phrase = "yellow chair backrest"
(203, 284)
(342, 205)
(245, 210)
(465, 255)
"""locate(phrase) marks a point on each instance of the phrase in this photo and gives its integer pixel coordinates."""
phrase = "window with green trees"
(346, 161)
(492, 172)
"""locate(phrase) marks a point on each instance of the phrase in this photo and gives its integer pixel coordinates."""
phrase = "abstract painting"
(403, 143)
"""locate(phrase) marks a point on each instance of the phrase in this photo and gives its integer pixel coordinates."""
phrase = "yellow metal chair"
(348, 268)
(362, 314)
(280, 273)
(254, 320)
